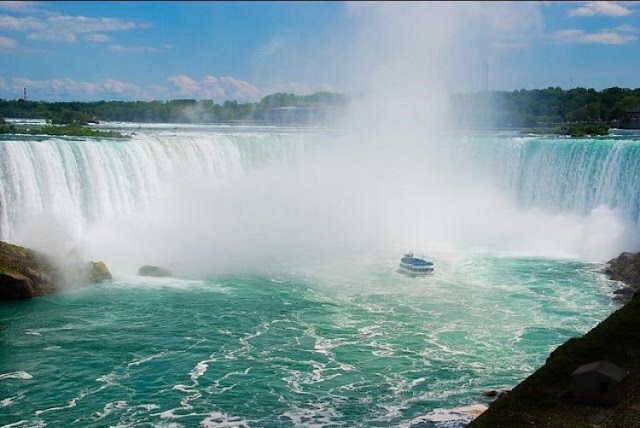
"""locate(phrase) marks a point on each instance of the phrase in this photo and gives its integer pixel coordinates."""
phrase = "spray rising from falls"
(225, 199)
(82, 183)
(219, 199)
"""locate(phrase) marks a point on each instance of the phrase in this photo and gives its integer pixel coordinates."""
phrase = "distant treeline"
(278, 108)
(549, 108)
(545, 107)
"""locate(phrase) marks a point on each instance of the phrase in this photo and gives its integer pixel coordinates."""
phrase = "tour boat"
(415, 265)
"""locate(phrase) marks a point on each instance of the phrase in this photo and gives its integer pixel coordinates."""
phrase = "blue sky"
(245, 50)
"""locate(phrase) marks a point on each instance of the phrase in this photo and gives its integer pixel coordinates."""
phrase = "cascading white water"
(85, 182)
(562, 175)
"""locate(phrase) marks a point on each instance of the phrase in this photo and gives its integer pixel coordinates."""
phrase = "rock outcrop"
(625, 268)
(25, 273)
(154, 271)
(98, 272)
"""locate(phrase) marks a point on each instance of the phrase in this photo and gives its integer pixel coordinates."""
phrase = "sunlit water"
(346, 341)
(352, 344)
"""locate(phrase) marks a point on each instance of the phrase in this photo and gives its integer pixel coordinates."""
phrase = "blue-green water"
(350, 344)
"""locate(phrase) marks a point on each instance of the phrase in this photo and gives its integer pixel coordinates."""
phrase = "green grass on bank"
(70, 130)
(571, 129)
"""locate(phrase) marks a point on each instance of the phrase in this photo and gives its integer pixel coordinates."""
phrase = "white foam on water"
(200, 369)
(222, 420)
(316, 415)
(53, 348)
(457, 416)
(146, 359)
(22, 423)
(110, 408)
(16, 375)
(70, 404)
(11, 400)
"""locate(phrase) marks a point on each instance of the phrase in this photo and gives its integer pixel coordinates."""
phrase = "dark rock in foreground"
(25, 273)
(154, 271)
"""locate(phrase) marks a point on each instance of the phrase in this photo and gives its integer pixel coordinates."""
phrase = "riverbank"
(543, 400)
(25, 273)
(571, 129)
(71, 130)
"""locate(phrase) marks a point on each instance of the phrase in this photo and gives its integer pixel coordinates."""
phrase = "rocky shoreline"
(25, 273)
(625, 268)
(541, 400)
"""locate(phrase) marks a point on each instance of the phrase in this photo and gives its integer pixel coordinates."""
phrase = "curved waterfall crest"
(87, 181)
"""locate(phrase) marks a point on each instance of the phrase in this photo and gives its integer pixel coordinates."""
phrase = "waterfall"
(87, 181)
(563, 174)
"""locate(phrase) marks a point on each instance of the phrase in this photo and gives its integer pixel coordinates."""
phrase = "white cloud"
(7, 43)
(82, 24)
(239, 88)
(70, 89)
(581, 36)
(53, 35)
(185, 84)
(65, 28)
(20, 6)
(97, 38)
(216, 88)
(626, 28)
(11, 23)
(182, 86)
(133, 49)
(515, 27)
(606, 8)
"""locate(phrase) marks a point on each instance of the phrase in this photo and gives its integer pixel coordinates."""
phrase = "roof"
(415, 261)
(604, 367)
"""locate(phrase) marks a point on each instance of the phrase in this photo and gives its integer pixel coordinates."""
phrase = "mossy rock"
(154, 271)
(25, 273)
(98, 272)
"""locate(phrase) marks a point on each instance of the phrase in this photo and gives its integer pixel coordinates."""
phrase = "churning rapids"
(287, 309)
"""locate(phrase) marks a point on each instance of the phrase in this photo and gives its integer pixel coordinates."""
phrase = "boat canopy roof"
(415, 261)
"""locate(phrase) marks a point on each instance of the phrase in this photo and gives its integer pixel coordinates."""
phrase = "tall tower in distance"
(24, 94)
(485, 76)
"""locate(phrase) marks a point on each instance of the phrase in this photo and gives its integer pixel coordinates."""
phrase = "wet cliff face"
(25, 273)
(626, 268)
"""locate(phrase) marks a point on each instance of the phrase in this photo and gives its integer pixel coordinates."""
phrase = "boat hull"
(416, 270)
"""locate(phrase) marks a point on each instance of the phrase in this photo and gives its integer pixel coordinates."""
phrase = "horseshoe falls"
(286, 308)
(90, 181)
(565, 174)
